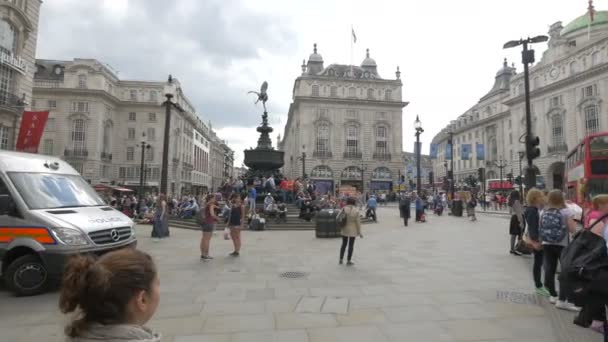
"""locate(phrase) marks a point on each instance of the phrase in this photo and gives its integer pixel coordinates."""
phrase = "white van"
(47, 213)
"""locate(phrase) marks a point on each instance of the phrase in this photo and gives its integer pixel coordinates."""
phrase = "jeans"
(252, 205)
(351, 244)
(551, 258)
(537, 268)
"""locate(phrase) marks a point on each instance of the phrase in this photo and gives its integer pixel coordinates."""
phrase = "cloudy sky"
(448, 51)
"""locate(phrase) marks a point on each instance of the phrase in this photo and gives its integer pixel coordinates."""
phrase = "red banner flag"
(32, 127)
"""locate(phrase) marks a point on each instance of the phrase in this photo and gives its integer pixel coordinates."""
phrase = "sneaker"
(206, 257)
(340, 262)
(542, 291)
(564, 305)
(349, 263)
(552, 299)
(234, 254)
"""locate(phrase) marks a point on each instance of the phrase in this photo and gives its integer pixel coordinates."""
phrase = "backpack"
(341, 218)
(552, 226)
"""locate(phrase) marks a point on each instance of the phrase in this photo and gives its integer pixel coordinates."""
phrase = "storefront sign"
(30, 132)
(13, 62)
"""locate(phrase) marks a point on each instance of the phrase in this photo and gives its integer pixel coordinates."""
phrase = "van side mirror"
(6, 205)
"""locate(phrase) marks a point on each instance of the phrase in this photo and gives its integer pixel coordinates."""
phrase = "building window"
(152, 95)
(133, 94)
(595, 58)
(510, 123)
(50, 125)
(573, 68)
(150, 154)
(130, 153)
(388, 95)
(132, 116)
(381, 143)
(152, 117)
(352, 92)
(352, 139)
(592, 120)
(536, 82)
(48, 147)
(4, 137)
(52, 104)
(315, 90)
(333, 91)
(82, 81)
(131, 133)
(370, 94)
(80, 107)
(590, 91)
(554, 102)
(322, 143)
(510, 137)
(557, 130)
(321, 171)
(107, 133)
(151, 133)
(477, 133)
(78, 136)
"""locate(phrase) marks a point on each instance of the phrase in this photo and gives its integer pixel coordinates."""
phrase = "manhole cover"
(292, 275)
(517, 297)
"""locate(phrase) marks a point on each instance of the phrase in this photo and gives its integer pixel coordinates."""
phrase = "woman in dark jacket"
(536, 200)
(404, 208)
(517, 220)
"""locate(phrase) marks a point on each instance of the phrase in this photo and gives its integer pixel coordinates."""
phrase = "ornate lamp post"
(501, 165)
(303, 159)
(419, 130)
(144, 147)
(169, 93)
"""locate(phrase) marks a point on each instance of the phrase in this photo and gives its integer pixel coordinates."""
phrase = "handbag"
(523, 247)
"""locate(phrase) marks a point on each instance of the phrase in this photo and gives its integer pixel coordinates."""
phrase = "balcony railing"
(353, 155)
(322, 154)
(48, 84)
(382, 156)
(106, 156)
(558, 148)
(11, 102)
(76, 153)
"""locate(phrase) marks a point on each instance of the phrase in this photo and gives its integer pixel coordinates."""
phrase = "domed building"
(345, 120)
(568, 86)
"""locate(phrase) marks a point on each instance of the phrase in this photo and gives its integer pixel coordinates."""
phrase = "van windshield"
(51, 191)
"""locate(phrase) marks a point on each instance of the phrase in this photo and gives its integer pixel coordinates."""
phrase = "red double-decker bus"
(587, 170)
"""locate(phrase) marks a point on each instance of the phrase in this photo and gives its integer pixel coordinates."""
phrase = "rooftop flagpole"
(591, 11)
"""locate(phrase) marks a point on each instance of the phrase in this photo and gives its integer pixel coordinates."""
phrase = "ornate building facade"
(18, 35)
(98, 123)
(347, 120)
(567, 90)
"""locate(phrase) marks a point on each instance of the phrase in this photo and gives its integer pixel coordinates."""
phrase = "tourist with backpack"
(535, 200)
(349, 222)
(556, 224)
(517, 221)
(207, 219)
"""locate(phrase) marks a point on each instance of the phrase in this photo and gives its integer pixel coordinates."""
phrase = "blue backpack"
(552, 226)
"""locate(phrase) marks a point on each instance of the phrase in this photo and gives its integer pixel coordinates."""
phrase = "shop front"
(322, 176)
(382, 180)
(351, 180)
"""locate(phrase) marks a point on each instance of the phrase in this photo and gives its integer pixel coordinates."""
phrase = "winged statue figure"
(262, 95)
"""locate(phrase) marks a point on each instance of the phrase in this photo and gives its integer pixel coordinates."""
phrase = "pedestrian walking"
(471, 205)
(160, 228)
(516, 223)
(251, 197)
(535, 200)
(114, 296)
(419, 208)
(350, 231)
(209, 218)
(236, 221)
(404, 208)
(556, 225)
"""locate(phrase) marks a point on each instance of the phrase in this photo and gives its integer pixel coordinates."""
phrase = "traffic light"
(518, 180)
(480, 173)
(431, 177)
(510, 177)
(531, 147)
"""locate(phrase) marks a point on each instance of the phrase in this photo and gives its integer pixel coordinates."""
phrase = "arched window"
(322, 139)
(493, 149)
(573, 68)
(381, 141)
(321, 171)
(595, 58)
(370, 94)
(315, 90)
(352, 172)
(592, 119)
(352, 139)
(82, 81)
(557, 130)
(152, 95)
(333, 91)
(78, 137)
(8, 37)
(107, 131)
(4, 137)
(382, 173)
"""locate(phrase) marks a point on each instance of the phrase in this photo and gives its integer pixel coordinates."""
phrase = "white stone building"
(348, 121)
(98, 123)
(18, 35)
(568, 87)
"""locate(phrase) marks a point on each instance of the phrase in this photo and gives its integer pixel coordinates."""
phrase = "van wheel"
(27, 276)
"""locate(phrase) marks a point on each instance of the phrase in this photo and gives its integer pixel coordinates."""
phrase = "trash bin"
(326, 226)
(457, 208)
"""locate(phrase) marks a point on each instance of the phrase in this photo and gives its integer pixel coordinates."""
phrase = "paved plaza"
(445, 280)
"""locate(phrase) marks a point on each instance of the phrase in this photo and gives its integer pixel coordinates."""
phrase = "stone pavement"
(445, 280)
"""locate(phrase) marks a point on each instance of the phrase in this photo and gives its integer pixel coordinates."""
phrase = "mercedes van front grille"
(113, 235)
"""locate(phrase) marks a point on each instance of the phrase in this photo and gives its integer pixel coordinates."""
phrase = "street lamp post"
(501, 165)
(363, 169)
(419, 130)
(169, 92)
(521, 182)
(303, 159)
(532, 151)
(451, 174)
(144, 146)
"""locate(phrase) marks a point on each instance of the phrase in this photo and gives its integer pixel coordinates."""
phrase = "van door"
(8, 205)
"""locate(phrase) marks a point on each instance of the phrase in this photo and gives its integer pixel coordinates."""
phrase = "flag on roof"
(354, 35)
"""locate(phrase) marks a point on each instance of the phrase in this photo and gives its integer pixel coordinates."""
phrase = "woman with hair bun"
(112, 296)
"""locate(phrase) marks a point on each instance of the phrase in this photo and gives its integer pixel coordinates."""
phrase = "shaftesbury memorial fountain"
(263, 160)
